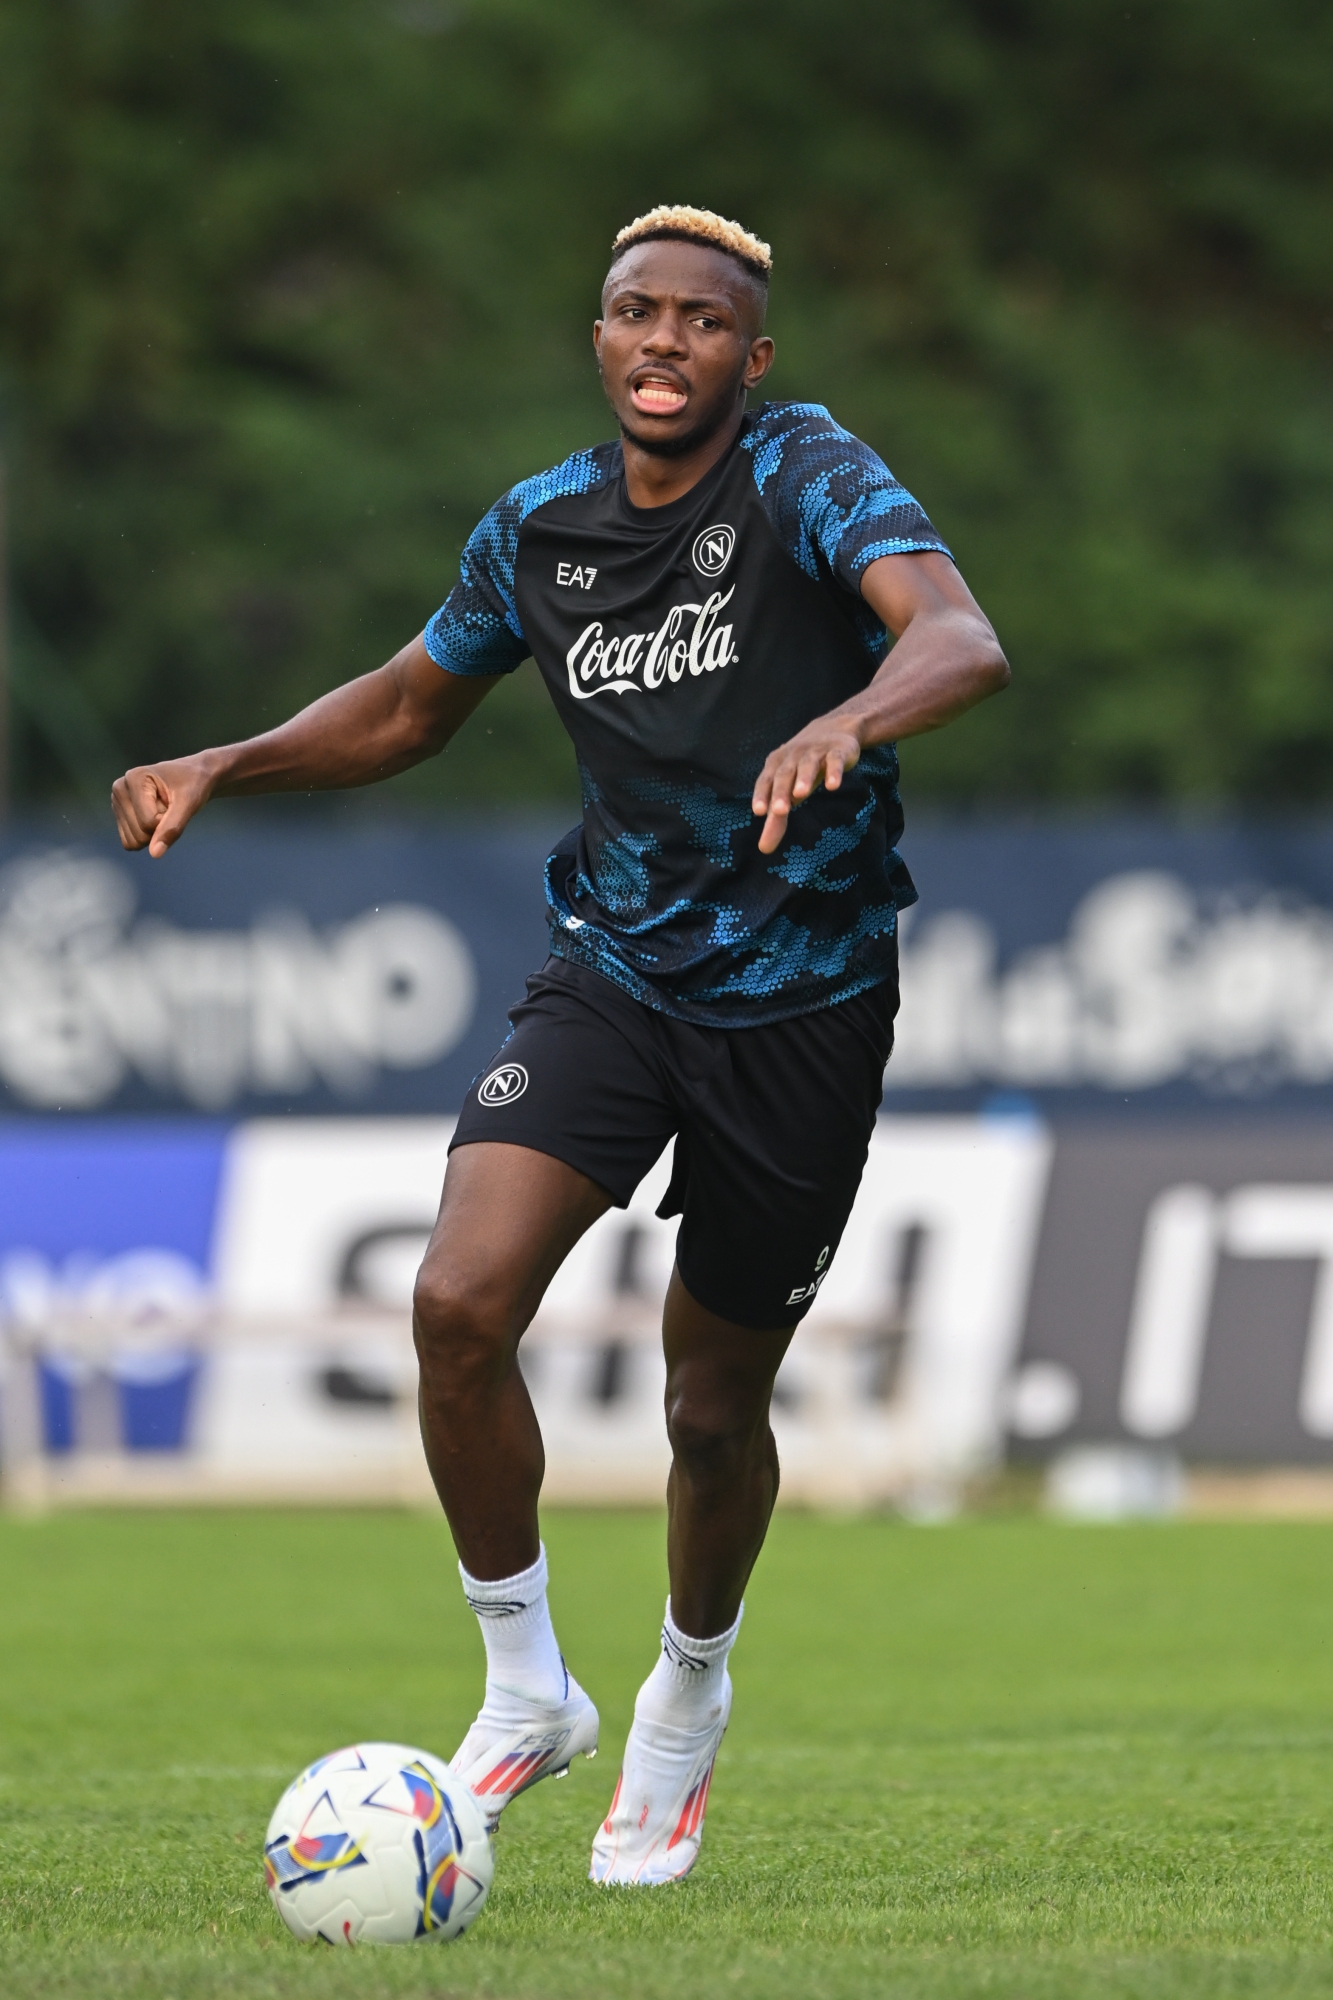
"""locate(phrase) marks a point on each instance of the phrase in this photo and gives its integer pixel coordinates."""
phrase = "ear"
(759, 363)
(597, 326)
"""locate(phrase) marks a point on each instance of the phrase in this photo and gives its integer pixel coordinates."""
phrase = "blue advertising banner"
(262, 967)
(1087, 968)
(1107, 967)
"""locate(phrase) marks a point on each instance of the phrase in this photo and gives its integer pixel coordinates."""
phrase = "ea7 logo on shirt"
(504, 1085)
(712, 549)
(573, 576)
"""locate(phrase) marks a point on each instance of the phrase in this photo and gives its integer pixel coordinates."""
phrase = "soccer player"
(709, 599)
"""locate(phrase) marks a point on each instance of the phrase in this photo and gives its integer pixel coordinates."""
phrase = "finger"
(170, 828)
(139, 801)
(844, 756)
(149, 796)
(127, 826)
(763, 784)
(807, 774)
(780, 785)
(779, 807)
(770, 839)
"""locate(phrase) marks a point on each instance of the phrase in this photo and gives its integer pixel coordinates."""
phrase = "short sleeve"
(476, 629)
(834, 503)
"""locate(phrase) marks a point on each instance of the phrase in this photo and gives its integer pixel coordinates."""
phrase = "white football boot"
(652, 1833)
(515, 1743)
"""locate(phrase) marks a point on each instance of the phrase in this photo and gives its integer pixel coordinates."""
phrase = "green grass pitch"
(1000, 1758)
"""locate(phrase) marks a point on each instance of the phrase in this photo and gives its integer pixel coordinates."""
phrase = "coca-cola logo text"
(689, 640)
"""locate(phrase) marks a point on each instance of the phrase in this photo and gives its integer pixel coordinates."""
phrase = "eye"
(707, 322)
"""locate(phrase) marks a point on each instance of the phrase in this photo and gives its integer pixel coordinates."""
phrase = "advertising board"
(253, 1339)
(1098, 1211)
(272, 966)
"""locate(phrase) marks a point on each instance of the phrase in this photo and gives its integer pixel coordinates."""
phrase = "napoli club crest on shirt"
(712, 549)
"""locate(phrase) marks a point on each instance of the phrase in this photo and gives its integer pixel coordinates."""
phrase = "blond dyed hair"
(697, 225)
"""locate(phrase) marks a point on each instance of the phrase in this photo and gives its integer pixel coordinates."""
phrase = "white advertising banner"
(290, 1340)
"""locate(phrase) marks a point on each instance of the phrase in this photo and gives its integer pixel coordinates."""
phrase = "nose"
(667, 335)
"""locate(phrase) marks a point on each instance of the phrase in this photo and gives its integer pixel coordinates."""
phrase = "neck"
(652, 480)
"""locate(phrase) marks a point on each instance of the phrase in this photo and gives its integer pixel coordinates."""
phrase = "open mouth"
(657, 395)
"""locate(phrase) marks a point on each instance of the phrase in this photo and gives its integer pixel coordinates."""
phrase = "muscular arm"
(946, 659)
(367, 730)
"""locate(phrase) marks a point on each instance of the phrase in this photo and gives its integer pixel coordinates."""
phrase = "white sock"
(685, 1687)
(522, 1657)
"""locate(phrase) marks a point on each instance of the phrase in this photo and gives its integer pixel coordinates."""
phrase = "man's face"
(678, 343)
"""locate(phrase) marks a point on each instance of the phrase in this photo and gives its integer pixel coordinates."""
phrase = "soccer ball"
(378, 1844)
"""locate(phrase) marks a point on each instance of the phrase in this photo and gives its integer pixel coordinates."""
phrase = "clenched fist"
(154, 803)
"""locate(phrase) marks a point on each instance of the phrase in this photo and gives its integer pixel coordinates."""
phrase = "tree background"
(291, 289)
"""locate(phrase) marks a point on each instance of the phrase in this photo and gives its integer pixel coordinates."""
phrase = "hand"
(155, 803)
(819, 755)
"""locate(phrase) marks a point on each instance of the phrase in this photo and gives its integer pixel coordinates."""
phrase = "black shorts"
(772, 1125)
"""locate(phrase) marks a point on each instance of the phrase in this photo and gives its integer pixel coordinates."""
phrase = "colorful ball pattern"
(377, 1844)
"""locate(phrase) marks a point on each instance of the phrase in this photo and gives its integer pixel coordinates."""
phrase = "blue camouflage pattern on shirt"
(834, 503)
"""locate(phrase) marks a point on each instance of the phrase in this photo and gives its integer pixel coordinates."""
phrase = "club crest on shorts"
(505, 1084)
(712, 549)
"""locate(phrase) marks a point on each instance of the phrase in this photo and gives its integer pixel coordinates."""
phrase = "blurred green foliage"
(291, 289)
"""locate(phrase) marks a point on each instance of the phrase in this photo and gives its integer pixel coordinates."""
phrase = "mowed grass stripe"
(1004, 1758)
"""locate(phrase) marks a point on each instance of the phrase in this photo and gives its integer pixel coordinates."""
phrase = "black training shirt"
(681, 644)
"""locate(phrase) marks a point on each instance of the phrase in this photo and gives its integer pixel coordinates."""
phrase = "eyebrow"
(710, 302)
